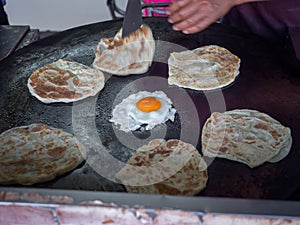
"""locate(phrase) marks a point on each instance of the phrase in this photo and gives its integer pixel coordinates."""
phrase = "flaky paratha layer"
(37, 153)
(247, 136)
(205, 68)
(65, 81)
(124, 56)
(165, 167)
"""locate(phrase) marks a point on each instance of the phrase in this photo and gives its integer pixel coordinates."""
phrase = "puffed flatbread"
(247, 136)
(37, 153)
(65, 81)
(205, 68)
(132, 54)
(170, 167)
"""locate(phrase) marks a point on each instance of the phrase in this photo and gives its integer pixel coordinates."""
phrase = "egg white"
(130, 118)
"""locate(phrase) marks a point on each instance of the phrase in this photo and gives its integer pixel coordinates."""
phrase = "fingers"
(198, 27)
(193, 25)
(182, 9)
(176, 5)
(192, 17)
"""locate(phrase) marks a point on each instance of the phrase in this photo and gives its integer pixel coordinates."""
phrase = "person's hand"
(191, 16)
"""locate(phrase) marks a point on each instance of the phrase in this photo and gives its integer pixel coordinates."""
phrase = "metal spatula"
(133, 17)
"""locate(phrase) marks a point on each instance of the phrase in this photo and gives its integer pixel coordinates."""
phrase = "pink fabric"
(158, 11)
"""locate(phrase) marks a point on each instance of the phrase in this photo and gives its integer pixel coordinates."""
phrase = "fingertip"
(170, 20)
(180, 2)
(175, 28)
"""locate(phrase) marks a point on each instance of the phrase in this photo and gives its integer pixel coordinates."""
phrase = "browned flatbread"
(165, 167)
(124, 56)
(37, 153)
(247, 136)
(65, 81)
(206, 68)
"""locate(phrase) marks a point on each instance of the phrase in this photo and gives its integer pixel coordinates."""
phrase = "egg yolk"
(148, 104)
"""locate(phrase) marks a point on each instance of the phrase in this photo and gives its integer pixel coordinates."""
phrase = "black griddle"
(266, 82)
(10, 38)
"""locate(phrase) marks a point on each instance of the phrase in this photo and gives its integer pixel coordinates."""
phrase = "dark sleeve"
(3, 15)
(268, 19)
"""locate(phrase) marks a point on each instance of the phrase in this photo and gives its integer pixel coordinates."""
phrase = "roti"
(65, 81)
(170, 167)
(205, 68)
(37, 153)
(247, 136)
(132, 54)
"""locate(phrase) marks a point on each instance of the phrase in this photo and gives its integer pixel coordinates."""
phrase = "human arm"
(191, 16)
(3, 15)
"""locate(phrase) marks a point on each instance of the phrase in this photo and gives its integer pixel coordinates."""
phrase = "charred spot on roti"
(57, 151)
(261, 126)
(172, 144)
(275, 134)
(223, 149)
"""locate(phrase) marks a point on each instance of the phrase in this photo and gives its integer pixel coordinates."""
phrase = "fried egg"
(149, 108)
